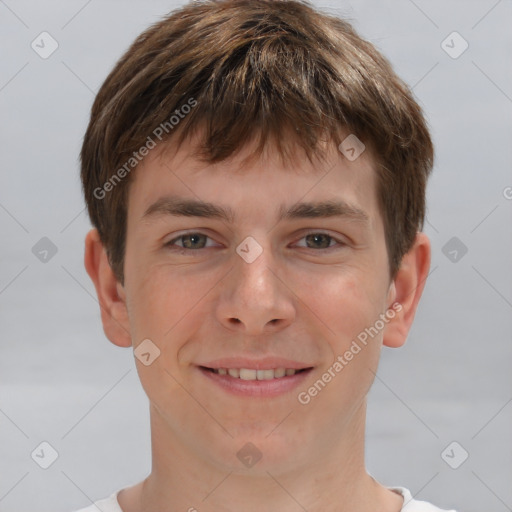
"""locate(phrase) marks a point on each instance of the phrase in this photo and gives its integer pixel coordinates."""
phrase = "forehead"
(173, 180)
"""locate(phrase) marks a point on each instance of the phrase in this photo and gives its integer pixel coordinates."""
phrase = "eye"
(190, 241)
(196, 240)
(319, 240)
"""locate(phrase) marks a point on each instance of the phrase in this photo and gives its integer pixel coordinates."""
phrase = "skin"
(297, 300)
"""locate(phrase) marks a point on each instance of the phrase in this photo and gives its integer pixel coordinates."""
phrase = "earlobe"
(407, 289)
(111, 296)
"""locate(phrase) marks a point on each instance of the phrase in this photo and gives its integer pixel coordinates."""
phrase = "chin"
(256, 451)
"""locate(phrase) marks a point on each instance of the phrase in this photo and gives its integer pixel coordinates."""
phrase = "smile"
(251, 374)
(249, 382)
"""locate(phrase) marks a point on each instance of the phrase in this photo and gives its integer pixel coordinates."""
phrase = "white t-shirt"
(111, 504)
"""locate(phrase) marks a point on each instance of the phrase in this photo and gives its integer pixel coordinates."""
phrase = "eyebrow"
(182, 207)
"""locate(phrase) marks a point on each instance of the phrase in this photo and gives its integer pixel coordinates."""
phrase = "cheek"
(347, 305)
(161, 299)
(171, 305)
(163, 307)
(346, 302)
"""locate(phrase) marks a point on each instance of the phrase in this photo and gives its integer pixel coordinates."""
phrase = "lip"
(267, 363)
(256, 388)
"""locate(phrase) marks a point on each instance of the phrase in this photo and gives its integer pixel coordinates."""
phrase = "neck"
(327, 478)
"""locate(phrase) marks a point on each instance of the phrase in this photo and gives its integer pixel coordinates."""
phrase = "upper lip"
(266, 363)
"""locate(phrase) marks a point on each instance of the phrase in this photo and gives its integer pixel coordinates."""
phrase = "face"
(290, 278)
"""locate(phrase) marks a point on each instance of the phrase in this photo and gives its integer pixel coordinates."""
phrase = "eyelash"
(182, 250)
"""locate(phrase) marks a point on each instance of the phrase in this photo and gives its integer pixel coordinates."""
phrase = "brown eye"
(322, 241)
(189, 241)
(319, 240)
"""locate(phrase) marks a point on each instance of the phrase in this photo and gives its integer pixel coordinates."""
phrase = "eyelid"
(339, 241)
(180, 235)
(336, 238)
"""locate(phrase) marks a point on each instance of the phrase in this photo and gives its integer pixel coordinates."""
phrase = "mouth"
(252, 374)
(251, 382)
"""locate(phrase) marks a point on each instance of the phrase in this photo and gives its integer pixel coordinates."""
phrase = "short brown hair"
(256, 67)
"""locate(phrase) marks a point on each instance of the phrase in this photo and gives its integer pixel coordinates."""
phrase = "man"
(255, 173)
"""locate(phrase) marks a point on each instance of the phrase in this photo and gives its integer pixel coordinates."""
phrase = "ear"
(405, 291)
(111, 295)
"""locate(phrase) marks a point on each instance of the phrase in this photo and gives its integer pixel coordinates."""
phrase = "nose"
(255, 298)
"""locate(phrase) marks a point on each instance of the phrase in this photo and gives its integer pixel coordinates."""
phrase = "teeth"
(246, 374)
(279, 372)
(251, 374)
(265, 374)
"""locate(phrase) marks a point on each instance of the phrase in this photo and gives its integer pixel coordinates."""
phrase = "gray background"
(63, 382)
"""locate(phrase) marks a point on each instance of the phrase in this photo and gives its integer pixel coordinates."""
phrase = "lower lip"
(263, 388)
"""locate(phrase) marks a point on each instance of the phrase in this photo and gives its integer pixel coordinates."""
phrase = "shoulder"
(109, 504)
(412, 505)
